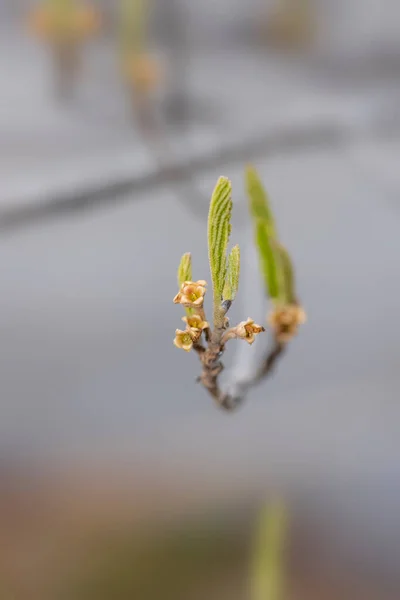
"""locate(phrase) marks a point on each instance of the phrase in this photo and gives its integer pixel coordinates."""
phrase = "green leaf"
(270, 263)
(289, 294)
(275, 261)
(185, 269)
(219, 228)
(185, 274)
(258, 201)
(268, 570)
(232, 274)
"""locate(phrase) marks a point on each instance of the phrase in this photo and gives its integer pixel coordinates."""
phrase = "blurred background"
(118, 476)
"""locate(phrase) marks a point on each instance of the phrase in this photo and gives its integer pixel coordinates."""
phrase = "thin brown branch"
(212, 367)
(270, 361)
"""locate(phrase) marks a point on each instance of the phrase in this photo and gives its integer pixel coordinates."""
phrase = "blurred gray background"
(93, 225)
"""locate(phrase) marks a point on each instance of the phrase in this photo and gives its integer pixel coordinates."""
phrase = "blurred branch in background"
(77, 346)
(175, 33)
(140, 70)
(112, 186)
(99, 193)
(142, 75)
(64, 25)
(291, 25)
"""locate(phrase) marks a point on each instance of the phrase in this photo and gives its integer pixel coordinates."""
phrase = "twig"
(212, 367)
(237, 391)
(66, 65)
(284, 318)
(269, 362)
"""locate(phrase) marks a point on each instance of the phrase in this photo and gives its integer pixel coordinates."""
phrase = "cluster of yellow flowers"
(191, 295)
(284, 319)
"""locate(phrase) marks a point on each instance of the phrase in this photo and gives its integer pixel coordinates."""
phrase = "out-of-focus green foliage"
(267, 577)
(232, 274)
(288, 294)
(258, 201)
(275, 263)
(197, 559)
(201, 558)
(270, 263)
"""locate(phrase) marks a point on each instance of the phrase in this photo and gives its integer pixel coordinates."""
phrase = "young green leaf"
(219, 228)
(232, 274)
(185, 269)
(185, 274)
(288, 275)
(270, 263)
(258, 201)
(268, 562)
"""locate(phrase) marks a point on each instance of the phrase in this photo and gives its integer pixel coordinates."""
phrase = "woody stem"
(212, 367)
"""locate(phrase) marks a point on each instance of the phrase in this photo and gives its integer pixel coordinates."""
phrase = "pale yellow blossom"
(196, 322)
(191, 294)
(247, 330)
(195, 325)
(183, 340)
(285, 321)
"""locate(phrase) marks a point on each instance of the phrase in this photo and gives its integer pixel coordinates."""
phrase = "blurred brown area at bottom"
(82, 535)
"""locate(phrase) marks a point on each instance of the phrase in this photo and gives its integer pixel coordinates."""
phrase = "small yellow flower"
(194, 326)
(183, 340)
(195, 322)
(285, 321)
(247, 330)
(191, 294)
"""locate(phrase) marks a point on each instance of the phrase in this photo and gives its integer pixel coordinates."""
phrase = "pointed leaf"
(258, 201)
(288, 274)
(271, 267)
(185, 269)
(219, 228)
(232, 274)
(185, 274)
